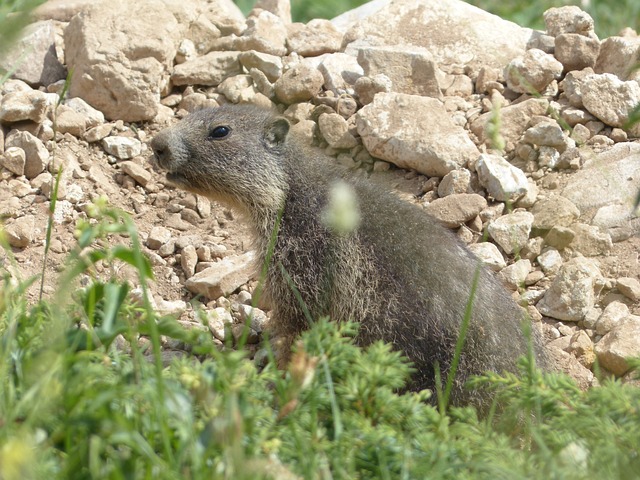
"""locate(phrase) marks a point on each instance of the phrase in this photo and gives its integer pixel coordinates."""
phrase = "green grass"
(83, 397)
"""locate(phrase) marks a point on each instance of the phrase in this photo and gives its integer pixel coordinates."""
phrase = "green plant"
(76, 402)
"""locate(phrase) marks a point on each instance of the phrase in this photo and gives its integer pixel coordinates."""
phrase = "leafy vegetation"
(86, 393)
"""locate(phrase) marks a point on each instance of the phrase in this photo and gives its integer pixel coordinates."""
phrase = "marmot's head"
(232, 153)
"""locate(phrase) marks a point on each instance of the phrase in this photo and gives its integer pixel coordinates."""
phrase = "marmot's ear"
(277, 132)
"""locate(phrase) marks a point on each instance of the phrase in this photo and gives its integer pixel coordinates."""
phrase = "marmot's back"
(404, 277)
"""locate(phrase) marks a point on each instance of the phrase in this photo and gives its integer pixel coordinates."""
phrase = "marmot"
(405, 278)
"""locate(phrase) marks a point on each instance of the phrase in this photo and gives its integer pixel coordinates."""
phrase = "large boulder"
(612, 177)
(118, 65)
(33, 57)
(121, 58)
(453, 31)
(414, 132)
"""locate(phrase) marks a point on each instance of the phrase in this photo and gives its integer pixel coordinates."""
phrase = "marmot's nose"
(161, 150)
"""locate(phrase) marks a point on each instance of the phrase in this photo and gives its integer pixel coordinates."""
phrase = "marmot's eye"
(220, 132)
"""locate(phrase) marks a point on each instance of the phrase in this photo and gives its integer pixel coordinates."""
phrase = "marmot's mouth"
(176, 179)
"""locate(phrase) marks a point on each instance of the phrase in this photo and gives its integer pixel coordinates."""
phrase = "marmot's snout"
(162, 155)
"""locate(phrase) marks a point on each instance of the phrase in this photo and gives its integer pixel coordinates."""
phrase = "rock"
(335, 131)
(69, 121)
(532, 72)
(454, 210)
(458, 85)
(210, 69)
(187, 51)
(92, 117)
(98, 133)
(582, 347)
(299, 84)
(366, 87)
(550, 261)
(206, 22)
(21, 232)
(33, 58)
(256, 318)
(629, 287)
(503, 181)
(61, 10)
(36, 154)
(140, 174)
(515, 274)
(613, 314)
(236, 89)
(265, 33)
(572, 87)
(118, 65)
(122, 147)
(580, 134)
(454, 182)
(554, 211)
(576, 51)
(218, 319)
(196, 101)
(280, 8)
(547, 133)
(270, 65)
(572, 293)
(489, 79)
(222, 278)
(411, 70)
(612, 216)
(244, 331)
(559, 237)
(610, 99)
(173, 308)
(340, 73)
(619, 344)
(244, 298)
(315, 38)
(568, 19)
(10, 207)
(188, 260)
(619, 56)
(569, 365)
(511, 231)
(440, 27)
(23, 105)
(620, 165)
(414, 132)
(561, 343)
(575, 116)
(13, 160)
(530, 197)
(514, 120)
(590, 241)
(489, 254)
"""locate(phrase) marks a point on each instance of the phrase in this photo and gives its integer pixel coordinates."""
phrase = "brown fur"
(400, 274)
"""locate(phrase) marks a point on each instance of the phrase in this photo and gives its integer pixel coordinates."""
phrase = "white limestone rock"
(123, 148)
(511, 231)
(502, 180)
(573, 292)
(224, 277)
(414, 132)
(622, 342)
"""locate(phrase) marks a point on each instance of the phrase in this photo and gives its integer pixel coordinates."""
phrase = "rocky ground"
(505, 134)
